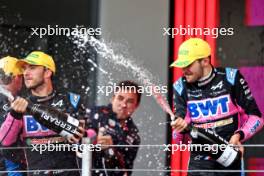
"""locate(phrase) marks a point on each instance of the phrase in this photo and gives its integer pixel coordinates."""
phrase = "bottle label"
(194, 133)
(66, 134)
(228, 156)
(73, 121)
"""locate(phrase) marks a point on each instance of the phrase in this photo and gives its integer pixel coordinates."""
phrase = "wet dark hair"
(127, 85)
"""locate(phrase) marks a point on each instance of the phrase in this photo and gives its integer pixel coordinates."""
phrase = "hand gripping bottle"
(226, 155)
(59, 122)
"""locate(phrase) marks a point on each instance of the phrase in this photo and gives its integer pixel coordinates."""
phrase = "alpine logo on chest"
(209, 107)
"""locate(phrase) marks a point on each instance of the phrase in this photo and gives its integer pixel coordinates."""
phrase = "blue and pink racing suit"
(222, 102)
(32, 134)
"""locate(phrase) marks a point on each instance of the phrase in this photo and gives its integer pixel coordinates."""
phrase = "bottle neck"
(30, 107)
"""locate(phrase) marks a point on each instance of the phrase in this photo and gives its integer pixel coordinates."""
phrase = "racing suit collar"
(38, 99)
(207, 79)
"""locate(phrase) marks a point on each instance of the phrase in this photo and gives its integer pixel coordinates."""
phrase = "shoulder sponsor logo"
(178, 86)
(255, 126)
(74, 99)
(230, 75)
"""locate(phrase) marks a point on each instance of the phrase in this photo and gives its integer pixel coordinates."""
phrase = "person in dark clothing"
(218, 99)
(114, 126)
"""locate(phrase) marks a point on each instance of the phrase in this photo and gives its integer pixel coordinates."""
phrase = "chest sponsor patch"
(209, 107)
(32, 127)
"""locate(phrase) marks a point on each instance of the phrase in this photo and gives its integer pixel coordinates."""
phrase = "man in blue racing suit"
(215, 98)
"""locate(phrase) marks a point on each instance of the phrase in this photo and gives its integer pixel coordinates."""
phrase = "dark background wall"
(52, 12)
(246, 46)
(73, 70)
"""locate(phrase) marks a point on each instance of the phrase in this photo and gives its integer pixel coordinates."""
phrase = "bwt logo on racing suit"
(34, 129)
(209, 107)
(33, 126)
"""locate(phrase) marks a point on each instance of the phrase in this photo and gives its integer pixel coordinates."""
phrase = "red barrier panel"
(190, 14)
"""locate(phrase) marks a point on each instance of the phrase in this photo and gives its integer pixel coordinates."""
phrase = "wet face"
(193, 72)
(124, 103)
(33, 75)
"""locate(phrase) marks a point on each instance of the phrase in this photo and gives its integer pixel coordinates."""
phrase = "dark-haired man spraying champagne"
(114, 125)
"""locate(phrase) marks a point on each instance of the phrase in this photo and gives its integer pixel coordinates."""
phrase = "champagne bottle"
(59, 122)
(226, 156)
